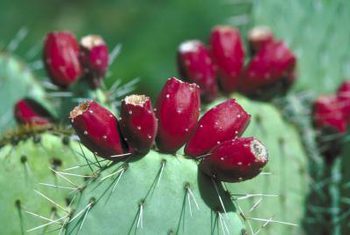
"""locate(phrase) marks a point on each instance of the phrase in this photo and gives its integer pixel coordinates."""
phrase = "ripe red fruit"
(258, 37)
(228, 55)
(177, 111)
(235, 160)
(225, 121)
(270, 72)
(343, 95)
(30, 112)
(327, 114)
(97, 129)
(195, 65)
(138, 123)
(61, 58)
(94, 58)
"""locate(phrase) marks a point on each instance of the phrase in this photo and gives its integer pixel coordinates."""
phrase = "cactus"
(159, 193)
(163, 193)
(29, 176)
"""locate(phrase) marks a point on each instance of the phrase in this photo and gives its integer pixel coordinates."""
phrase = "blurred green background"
(150, 31)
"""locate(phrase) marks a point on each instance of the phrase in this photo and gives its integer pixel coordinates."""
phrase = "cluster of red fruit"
(331, 116)
(333, 111)
(214, 139)
(66, 60)
(270, 71)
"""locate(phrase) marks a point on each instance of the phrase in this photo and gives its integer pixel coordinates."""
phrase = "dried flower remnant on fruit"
(94, 57)
(138, 123)
(258, 37)
(98, 129)
(236, 160)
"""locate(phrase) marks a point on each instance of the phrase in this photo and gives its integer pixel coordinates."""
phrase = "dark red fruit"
(236, 160)
(94, 58)
(195, 65)
(223, 122)
(97, 129)
(28, 111)
(327, 113)
(177, 111)
(228, 55)
(138, 123)
(270, 72)
(61, 58)
(258, 37)
(331, 125)
(343, 95)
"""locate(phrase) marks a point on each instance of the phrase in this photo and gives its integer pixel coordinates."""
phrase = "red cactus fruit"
(258, 37)
(343, 95)
(30, 112)
(327, 114)
(270, 72)
(236, 160)
(138, 123)
(177, 111)
(225, 121)
(98, 129)
(94, 58)
(61, 58)
(195, 65)
(228, 55)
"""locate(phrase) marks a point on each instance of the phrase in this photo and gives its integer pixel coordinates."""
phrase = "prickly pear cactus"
(33, 189)
(167, 194)
(16, 81)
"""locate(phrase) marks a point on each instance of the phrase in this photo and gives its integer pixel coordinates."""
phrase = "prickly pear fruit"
(61, 58)
(228, 55)
(98, 129)
(331, 124)
(270, 72)
(177, 111)
(223, 122)
(138, 123)
(343, 95)
(94, 58)
(236, 160)
(258, 37)
(327, 114)
(195, 65)
(29, 112)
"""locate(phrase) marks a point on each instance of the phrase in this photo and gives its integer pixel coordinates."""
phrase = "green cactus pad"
(23, 167)
(158, 194)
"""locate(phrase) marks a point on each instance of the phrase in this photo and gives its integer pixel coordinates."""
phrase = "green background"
(151, 30)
